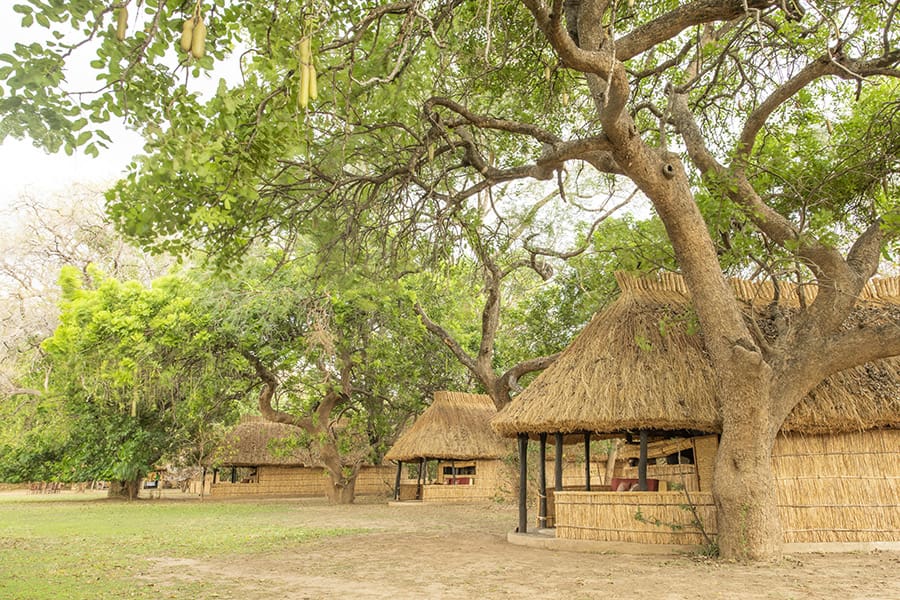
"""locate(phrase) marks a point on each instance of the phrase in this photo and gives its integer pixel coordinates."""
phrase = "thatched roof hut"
(258, 442)
(267, 459)
(455, 432)
(455, 427)
(640, 364)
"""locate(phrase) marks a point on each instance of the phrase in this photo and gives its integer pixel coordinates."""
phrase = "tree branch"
(688, 15)
(825, 261)
(511, 378)
(448, 339)
(858, 346)
(270, 384)
(571, 55)
(824, 65)
(485, 122)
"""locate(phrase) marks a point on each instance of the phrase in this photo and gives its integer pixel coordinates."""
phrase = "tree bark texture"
(341, 478)
(743, 483)
(124, 489)
(759, 382)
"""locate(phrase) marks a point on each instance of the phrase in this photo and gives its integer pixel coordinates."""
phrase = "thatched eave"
(455, 427)
(254, 441)
(641, 364)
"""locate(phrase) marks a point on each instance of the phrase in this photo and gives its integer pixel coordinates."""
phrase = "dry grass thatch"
(455, 427)
(641, 364)
(251, 442)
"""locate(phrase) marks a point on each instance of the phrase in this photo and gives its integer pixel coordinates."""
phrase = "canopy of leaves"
(132, 379)
(422, 106)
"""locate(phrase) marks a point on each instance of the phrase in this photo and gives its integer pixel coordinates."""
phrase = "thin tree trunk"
(611, 462)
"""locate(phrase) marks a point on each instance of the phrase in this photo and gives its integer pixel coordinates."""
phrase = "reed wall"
(302, 482)
(674, 475)
(375, 480)
(493, 480)
(641, 517)
(573, 472)
(830, 488)
(839, 488)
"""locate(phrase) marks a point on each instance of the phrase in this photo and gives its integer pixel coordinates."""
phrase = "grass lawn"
(65, 547)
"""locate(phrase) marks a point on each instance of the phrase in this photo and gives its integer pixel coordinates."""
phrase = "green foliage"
(817, 167)
(583, 285)
(132, 380)
(372, 159)
(314, 331)
(710, 546)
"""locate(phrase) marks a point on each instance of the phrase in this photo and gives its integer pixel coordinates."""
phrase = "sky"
(25, 168)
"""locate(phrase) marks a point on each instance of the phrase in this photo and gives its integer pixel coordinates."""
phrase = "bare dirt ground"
(460, 552)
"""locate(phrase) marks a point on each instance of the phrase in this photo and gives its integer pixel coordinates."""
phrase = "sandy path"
(456, 552)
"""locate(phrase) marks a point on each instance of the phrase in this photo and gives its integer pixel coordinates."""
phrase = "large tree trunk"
(124, 489)
(744, 490)
(341, 487)
(744, 484)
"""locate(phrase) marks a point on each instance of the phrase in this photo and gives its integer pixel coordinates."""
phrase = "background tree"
(336, 357)
(131, 380)
(40, 236)
(508, 255)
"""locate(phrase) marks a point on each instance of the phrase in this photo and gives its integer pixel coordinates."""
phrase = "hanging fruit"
(308, 85)
(121, 23)
(193, 34)
(187, 35)
(198, 39)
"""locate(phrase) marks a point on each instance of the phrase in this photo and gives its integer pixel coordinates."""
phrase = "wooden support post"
(452, 472)
(642, 463)
(233, 474)
(542, 482)
(523, 483)
(420, 482)
(397, 480)
(587, 461)
(557, 463)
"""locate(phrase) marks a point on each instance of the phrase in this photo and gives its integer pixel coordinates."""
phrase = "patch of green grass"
(100, 549)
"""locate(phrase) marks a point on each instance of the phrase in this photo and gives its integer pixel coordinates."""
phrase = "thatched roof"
(641, 364)
(250, 443)
(455, 427)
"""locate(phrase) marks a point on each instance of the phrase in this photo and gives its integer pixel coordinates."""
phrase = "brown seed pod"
(198, 40)
(121, 23)
(186, 35)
